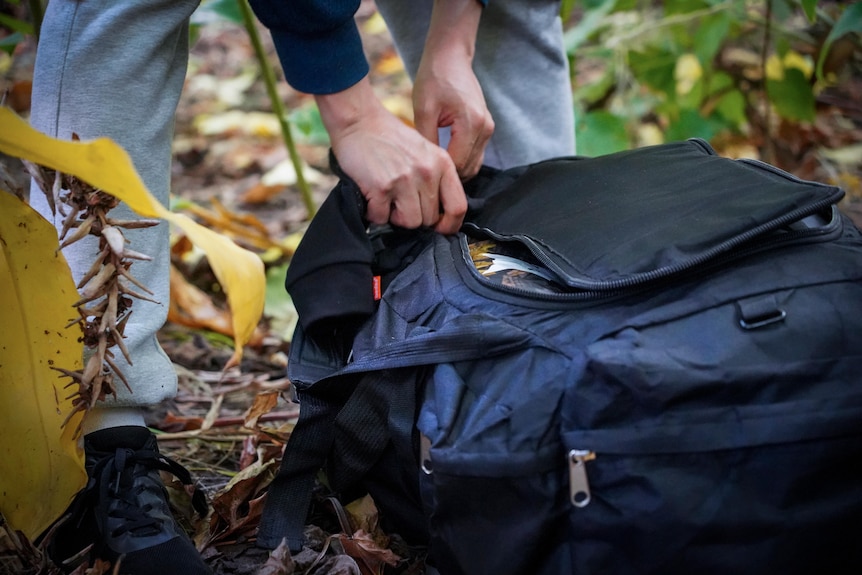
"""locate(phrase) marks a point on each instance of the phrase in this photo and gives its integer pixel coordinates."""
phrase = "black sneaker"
(123, 511)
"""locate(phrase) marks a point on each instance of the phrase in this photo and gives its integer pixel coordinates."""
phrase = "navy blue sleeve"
(317, 42)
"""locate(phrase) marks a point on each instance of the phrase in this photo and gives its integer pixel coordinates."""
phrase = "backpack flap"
(623, 219)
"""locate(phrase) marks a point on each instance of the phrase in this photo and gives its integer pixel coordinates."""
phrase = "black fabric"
(289, 494)
(700, 382)
(330, 276)
(603, 240)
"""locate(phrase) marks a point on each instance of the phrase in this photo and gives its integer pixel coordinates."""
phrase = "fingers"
(453, 203)
(468, 142)
(433, 199)
(404, 177)
(415, 204)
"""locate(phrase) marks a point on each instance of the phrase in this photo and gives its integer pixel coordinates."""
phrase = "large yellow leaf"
(103, 164)
(41, 467)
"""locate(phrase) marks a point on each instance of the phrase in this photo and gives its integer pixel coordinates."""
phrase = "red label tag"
(375, 288)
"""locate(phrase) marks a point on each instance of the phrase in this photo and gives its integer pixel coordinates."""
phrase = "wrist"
(342, 110)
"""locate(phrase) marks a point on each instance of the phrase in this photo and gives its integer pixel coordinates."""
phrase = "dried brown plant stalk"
(107, 289)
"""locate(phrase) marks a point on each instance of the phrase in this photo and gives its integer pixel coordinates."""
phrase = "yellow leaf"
(41, 466)
(796, 60)
(687, 72)
(375, 24)
(104, 164)
(237, 122)
(774, 68)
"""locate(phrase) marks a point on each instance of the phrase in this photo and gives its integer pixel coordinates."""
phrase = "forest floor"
(230, 170)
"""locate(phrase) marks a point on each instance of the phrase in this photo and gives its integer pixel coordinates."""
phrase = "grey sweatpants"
(520, 63)
(116, 68)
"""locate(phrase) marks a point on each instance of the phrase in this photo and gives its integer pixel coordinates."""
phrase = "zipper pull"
(425, 454)
(579, 485)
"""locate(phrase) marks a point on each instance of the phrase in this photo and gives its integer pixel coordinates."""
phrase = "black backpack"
(646, 362)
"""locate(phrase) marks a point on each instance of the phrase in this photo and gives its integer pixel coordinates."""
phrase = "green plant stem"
(277, 106)
(764, 55)
(36, 15)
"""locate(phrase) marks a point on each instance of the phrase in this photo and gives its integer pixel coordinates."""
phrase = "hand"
(406, 179)
(446, 91)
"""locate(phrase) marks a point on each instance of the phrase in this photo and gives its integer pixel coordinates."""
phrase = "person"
(491, 86)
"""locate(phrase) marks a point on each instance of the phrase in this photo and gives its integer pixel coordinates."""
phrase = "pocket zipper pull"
(425, 455)
(579, 485)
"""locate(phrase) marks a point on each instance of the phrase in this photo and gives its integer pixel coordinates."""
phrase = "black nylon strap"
(289, 494)
(380, 411)
(361, 430)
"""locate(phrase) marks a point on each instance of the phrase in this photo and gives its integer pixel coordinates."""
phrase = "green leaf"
(810, 7)
(792, 96)
(15, 24)
(710, 35)
(593, 91)
(849, 22)
(8, 43)
(218, 10)
(566, 9)
(655, 68)
(593, 4)
(593, 20)
(601, 133)
(683, 6)
(278, 305)
(691, 124)
(691, 99)
(732, 108)
(309, 125)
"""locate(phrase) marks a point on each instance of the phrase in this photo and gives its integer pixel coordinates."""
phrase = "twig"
(764, 54)
(277, 106)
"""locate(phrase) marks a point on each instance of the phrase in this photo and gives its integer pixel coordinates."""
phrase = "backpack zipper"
(719, 255)
(579, 485)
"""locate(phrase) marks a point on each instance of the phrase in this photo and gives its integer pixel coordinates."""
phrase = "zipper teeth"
(716, 256)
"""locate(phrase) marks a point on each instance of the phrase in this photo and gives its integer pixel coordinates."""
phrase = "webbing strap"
(381, 410)
(361, 430)
(289, 494)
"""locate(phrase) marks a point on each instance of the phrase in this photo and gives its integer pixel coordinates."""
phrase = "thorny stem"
(103, 323)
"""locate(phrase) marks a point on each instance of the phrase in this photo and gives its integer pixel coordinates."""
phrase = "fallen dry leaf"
(263, 404)
(192, 307)
(238, 507)
(279, 562)
(369, 556)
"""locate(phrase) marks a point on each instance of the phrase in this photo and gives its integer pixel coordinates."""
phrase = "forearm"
(453, 28)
